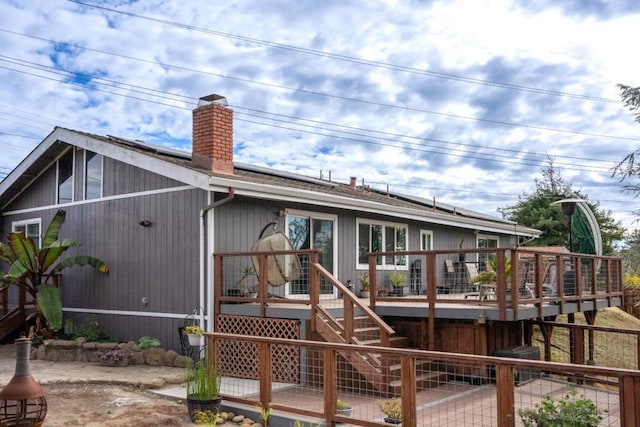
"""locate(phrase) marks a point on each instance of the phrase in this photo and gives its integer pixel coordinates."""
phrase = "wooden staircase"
(382, 373)
(12, 317)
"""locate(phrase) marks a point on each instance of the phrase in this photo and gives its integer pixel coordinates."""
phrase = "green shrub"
(148, 342)
(91, 331)
(568, 411)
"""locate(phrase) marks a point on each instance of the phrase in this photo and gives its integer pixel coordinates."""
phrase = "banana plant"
(31, 267)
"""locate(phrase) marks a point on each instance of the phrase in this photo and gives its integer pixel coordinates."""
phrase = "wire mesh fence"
(424, 388)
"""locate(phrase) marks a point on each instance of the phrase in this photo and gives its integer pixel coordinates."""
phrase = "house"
(155, 215)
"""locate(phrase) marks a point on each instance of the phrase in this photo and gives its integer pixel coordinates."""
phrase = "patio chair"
(449, 277)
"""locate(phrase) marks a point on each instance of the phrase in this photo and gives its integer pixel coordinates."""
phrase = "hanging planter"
(195, 335)
(196, 340)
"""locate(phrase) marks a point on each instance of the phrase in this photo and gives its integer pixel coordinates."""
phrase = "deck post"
(629, 390)
(408, 392)
(431, 299)
(262, 284)
(373, 282)
(330, 396)
(505, 396)
(265, 374)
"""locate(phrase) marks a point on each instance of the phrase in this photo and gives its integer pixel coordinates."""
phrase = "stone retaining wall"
(79, 350)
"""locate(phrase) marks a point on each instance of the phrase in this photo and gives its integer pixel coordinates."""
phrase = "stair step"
(421, 365)
(424, 381)
(367, 329)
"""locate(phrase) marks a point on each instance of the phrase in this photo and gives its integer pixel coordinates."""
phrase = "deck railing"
(575, 343)
(492, 393)
(313, 277)
(523, 277)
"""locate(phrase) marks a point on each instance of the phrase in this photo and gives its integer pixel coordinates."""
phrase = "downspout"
(204, 258)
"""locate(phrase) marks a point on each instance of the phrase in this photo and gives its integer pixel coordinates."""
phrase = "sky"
(463, 102)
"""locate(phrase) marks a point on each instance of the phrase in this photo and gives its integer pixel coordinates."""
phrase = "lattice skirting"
(241, 359)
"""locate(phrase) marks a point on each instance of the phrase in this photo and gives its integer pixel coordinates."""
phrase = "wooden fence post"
(265, 374)
(504, 396)
(329, 368)
(408, 392)
(629, 394)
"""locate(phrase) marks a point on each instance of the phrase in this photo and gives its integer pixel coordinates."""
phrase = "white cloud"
(479, 164)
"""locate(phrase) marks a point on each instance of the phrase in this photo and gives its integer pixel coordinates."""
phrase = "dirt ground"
(106, 405)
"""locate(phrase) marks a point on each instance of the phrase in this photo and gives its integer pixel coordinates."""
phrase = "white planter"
(196, 340)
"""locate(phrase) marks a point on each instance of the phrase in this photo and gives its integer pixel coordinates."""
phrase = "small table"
(486, 291)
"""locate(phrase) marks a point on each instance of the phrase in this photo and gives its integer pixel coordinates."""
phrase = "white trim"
(487, 237)
(127, 313)
(26, 223)
(210, 294)
(144, 161)
(426, 233)
(483, 236)
(384, 224)
(314, 215)
(29, 221)
(117, 197)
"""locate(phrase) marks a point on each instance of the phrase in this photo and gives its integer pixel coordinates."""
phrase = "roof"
(252, 181)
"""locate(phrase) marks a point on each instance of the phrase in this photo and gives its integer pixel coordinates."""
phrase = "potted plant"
(203, 388)
(484, 277)
(343, 408)
(364, 285)
(195, 334)
(397, 280)
(392, 409)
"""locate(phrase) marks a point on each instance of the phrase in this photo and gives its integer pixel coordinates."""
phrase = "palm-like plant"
(30, 267)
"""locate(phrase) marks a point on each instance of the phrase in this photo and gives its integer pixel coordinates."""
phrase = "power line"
(500, 158)
(352, 59)
(333, 96)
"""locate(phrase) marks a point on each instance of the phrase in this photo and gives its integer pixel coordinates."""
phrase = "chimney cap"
(213, 99)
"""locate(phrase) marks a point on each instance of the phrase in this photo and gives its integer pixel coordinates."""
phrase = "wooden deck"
(528, 285)
(407, 307)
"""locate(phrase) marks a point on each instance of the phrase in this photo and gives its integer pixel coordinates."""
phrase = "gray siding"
(42, 192)
(121, 178)
(161, 261)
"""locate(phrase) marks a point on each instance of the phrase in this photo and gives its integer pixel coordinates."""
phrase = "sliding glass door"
(308, 230)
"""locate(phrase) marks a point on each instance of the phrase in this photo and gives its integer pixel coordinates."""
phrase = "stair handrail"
(350, 301)
(4, 299)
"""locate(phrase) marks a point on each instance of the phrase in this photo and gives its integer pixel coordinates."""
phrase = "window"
(92, 175)
(426, 240)
(308, 230)
(30, 228)
(65, 177)
(486, 241)
(376, 236)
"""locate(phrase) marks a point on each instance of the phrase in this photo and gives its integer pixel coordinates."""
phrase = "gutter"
(204, 261)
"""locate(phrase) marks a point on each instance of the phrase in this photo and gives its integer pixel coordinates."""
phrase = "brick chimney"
(213, 135)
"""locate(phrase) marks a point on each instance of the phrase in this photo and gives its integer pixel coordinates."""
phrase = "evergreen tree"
(535, 211)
